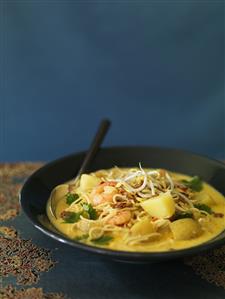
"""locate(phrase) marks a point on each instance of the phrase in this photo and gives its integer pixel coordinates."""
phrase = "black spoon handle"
(95, 145)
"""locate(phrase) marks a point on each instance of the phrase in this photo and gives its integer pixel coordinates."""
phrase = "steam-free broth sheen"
(136, 209)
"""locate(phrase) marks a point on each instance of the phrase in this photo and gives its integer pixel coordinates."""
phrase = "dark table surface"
(83, 275)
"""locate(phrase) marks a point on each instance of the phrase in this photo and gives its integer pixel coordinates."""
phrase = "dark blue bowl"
(36, 190)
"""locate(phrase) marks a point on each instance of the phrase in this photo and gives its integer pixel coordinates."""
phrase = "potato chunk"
(142, 227)
(162, 206)
(88, 182)
(185, 229)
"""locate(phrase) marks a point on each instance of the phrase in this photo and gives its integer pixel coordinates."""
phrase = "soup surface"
(136, 209)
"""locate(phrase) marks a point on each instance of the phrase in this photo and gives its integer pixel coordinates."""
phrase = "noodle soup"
(136, 209)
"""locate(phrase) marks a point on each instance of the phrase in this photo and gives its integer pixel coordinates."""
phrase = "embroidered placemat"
(30, 270)
(19, 257)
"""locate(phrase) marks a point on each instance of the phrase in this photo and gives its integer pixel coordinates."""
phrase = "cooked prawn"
(120, 218)
(103, 193)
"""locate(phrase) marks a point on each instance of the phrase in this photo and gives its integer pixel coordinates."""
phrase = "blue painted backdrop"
(156, 68)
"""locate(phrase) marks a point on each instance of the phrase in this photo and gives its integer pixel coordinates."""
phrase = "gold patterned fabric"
(9, 292)
(19, 258)
(210, 266)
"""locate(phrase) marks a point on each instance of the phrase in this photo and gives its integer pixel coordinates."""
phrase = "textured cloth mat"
(31, 263)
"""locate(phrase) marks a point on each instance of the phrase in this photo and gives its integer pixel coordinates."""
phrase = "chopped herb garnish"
(204, 207)
(70, 198)
(182, 215)
(104, 240)
(80, 238)
(195, 183)
(91, 211)
(70, 217)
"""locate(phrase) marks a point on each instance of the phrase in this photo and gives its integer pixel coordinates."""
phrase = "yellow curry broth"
(165, 241)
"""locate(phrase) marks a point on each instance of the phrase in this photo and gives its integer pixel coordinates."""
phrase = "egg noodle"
(138, 209)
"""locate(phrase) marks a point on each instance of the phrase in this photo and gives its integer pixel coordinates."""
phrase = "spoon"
(90, 155)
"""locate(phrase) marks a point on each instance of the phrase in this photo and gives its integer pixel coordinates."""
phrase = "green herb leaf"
(182, 215)
(195, 183)
(104, 240)
(91, 211)
(204, 207)
(80, 238)
(70, 217)
(70, 198)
